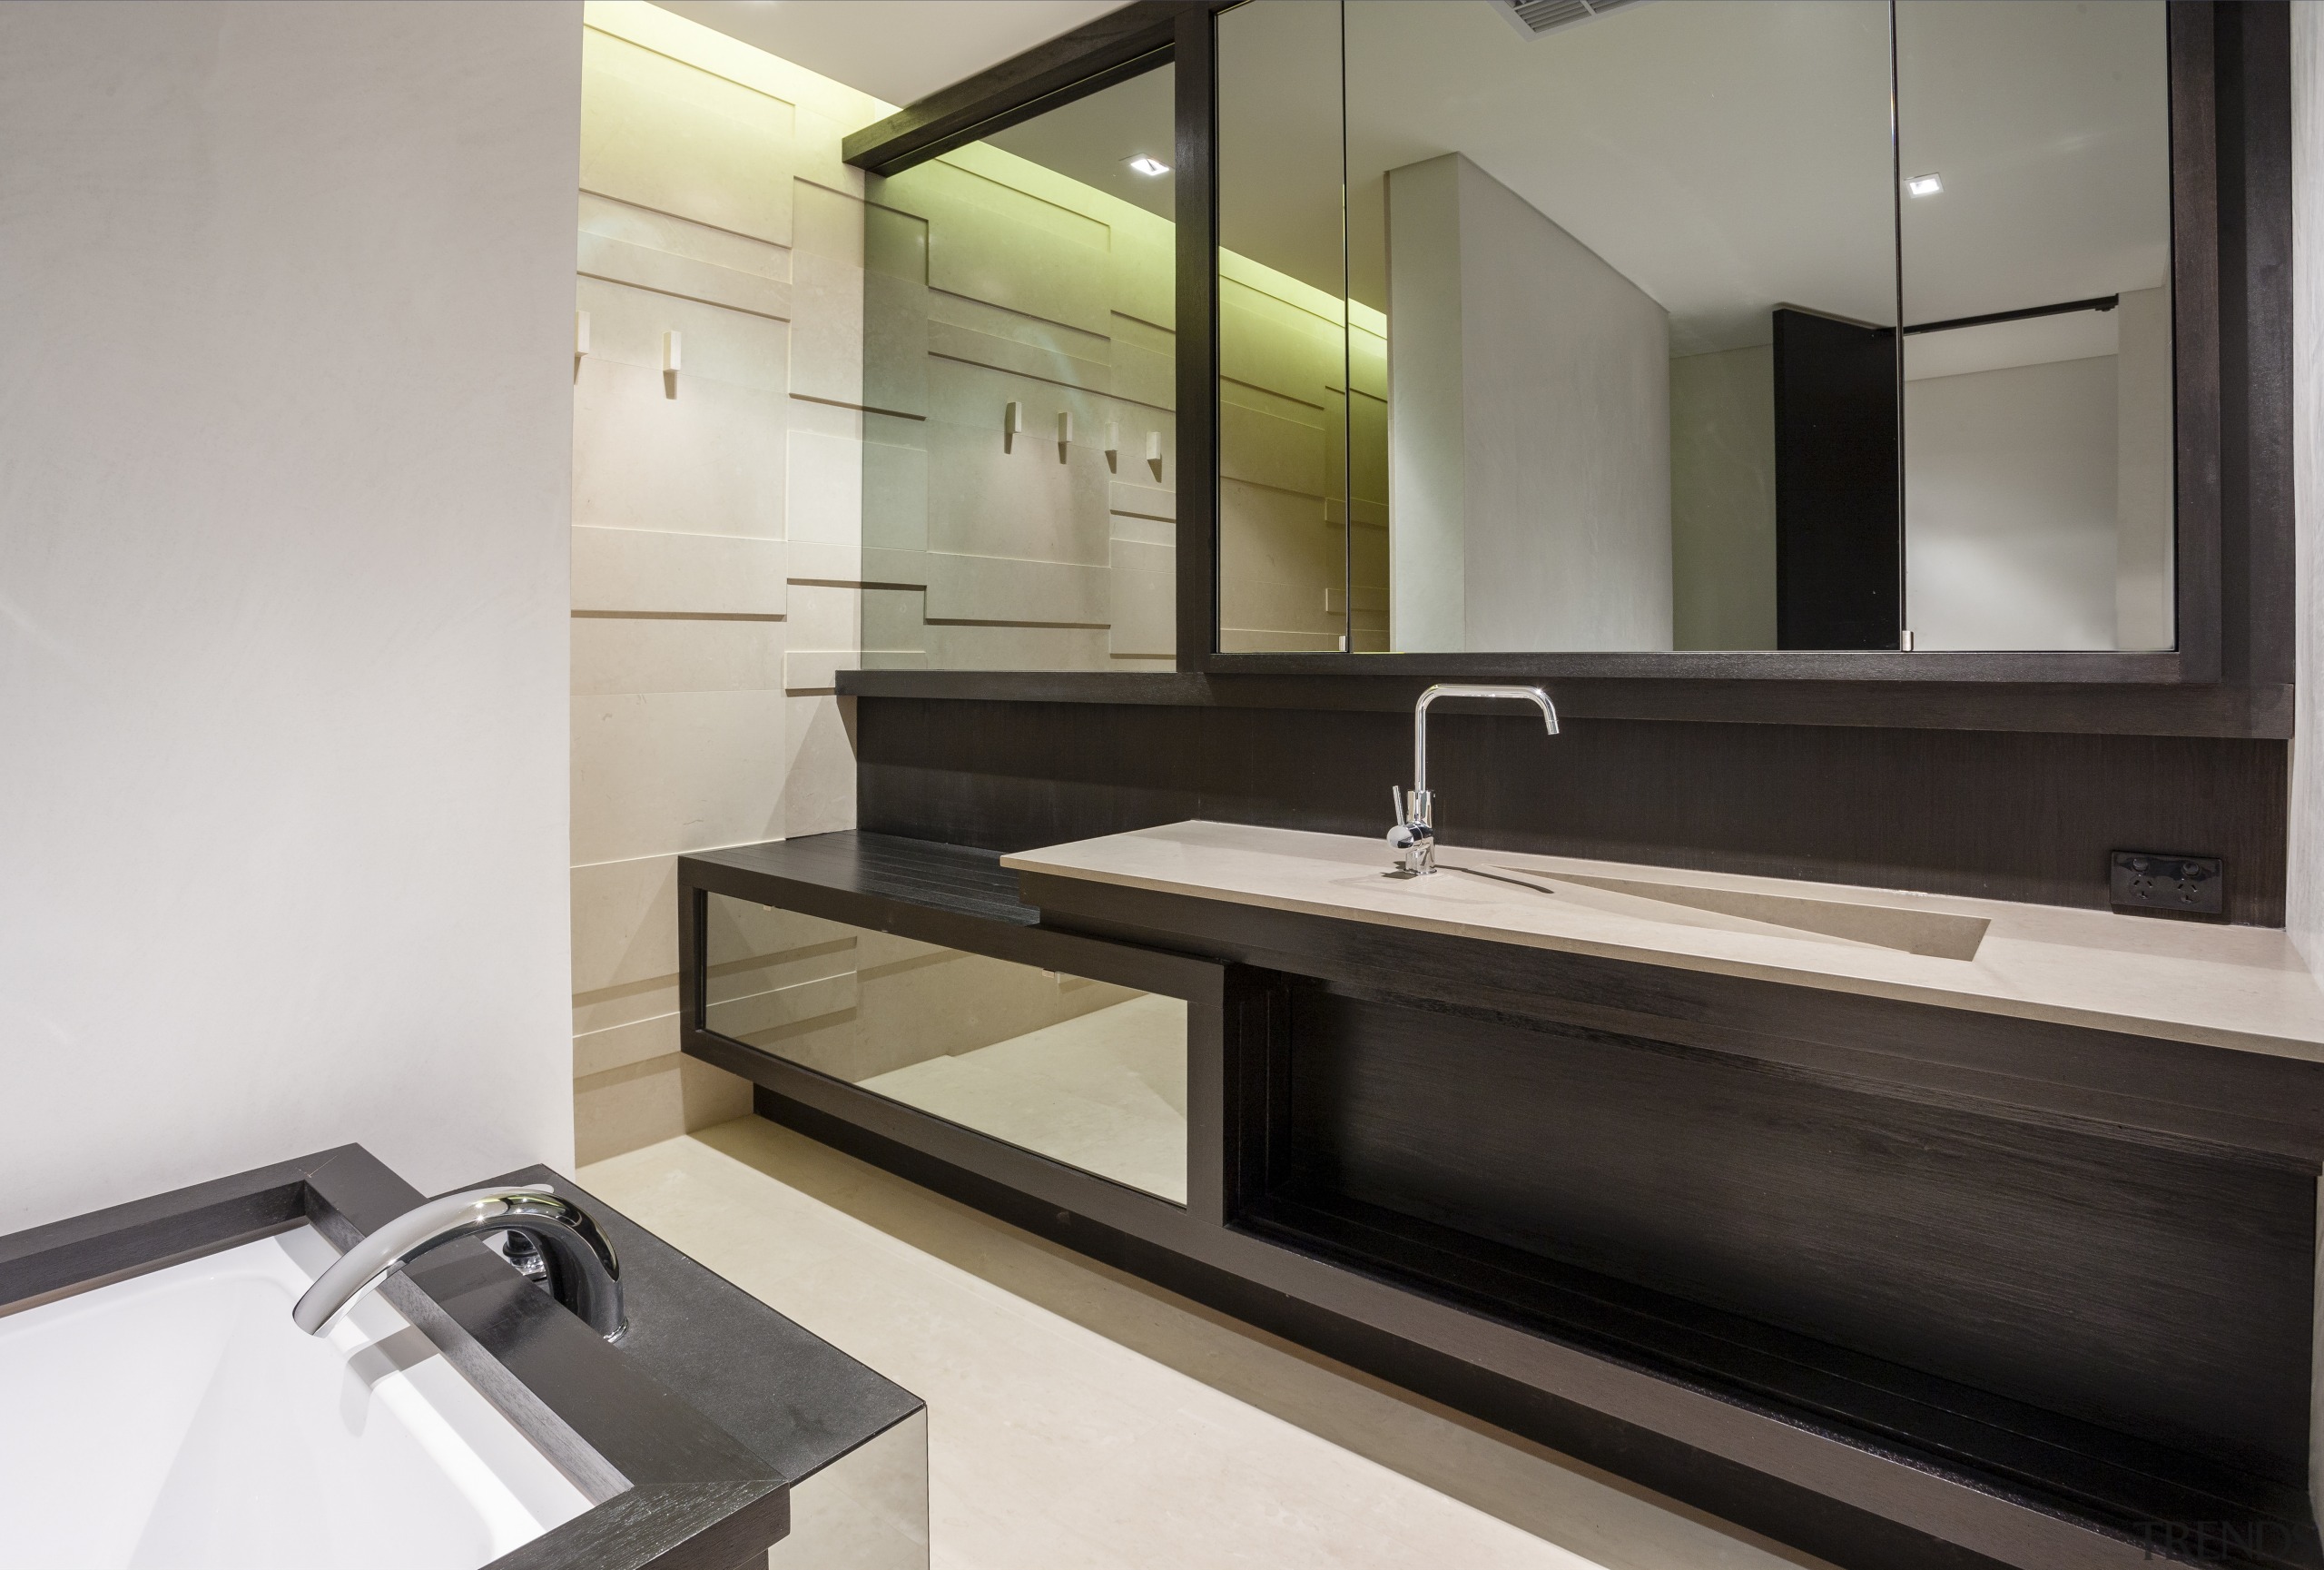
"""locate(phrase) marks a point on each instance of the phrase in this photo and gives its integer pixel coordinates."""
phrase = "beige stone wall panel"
(655, 571)
(667, 135)
(674, 771)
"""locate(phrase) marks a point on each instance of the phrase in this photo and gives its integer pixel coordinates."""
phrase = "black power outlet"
(2155, 880)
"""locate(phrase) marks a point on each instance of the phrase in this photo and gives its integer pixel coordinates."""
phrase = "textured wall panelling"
(717, 571)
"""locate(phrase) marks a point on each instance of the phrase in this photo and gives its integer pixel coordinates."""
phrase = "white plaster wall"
(1564, 368)
(2010, 519)
(285, 427)
(2304, 912)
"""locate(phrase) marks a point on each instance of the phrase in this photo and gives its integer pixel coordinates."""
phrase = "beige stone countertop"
(2226, 986)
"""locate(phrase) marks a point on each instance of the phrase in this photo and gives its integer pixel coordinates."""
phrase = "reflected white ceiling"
(2051, 126)
(1093, 139)
(1723, 157)
(1726, 157)
(897, 50)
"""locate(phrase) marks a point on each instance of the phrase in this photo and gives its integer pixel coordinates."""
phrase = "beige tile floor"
(1104, 1091)
(1081, 1419)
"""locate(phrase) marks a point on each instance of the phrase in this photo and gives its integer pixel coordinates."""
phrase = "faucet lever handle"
(1396, 797)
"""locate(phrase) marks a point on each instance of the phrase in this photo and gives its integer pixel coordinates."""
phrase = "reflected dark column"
(1839, 579)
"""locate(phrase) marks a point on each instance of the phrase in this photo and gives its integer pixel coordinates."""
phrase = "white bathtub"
(179, 1421)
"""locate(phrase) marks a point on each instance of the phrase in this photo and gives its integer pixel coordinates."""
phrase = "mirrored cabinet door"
(2034, 147)
(1083, 1071)
(1640, 279)
(1694, 324)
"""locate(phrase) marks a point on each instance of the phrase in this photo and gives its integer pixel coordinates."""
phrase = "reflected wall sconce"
(1113, 446)
(1064, 432)
(1012, 426)
(1153, 454)
(671, 348)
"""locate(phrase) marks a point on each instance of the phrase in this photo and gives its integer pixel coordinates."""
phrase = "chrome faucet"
(579, 1263)
(1414, 839)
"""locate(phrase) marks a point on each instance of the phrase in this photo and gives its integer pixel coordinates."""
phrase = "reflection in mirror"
(1083, 1071)
(1639, 282)
(1019, 459)
(1284, 350)
(1582, 333)
(2034, 143)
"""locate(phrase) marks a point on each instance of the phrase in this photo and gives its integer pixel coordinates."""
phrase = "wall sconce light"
(1153, 454)
(1064, 433)
(1012, 426)
(670, 356)
(1113, 446)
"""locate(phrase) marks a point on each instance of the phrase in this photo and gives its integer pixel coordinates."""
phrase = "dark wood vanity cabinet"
(2072, 1268)
(1903, 1286)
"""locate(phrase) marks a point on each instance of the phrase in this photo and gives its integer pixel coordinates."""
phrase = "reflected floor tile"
(1106, 1092)
(1081, 1418)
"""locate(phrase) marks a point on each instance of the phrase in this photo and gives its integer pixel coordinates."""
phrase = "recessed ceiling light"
(1146, 165)
(1923, 185)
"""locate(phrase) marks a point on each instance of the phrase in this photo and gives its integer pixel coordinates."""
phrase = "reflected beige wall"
(1531, 436)
(855, 1004)
(2010, 519)
(1723, 499)
(995, 282)
(717, 517)
(1284, 414)
(2145, 579)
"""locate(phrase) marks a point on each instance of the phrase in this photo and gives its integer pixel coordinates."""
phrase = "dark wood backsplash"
(2013, 816)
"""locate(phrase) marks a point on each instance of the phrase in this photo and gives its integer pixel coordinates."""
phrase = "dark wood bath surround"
(1901, 1284)
(689, 1435)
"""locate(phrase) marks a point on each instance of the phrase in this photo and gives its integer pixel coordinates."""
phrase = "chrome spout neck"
(1532, 694)
(583, 1273)
(1414, 839)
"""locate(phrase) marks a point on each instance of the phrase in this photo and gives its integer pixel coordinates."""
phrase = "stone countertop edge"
(2242, 988)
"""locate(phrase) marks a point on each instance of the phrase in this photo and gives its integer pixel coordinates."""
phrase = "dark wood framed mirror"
(2227, 670)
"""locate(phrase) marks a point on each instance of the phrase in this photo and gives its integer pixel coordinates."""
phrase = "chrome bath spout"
(581, 1269)
(1414, 839)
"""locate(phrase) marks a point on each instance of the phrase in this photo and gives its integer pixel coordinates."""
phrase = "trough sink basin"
(1937, 933)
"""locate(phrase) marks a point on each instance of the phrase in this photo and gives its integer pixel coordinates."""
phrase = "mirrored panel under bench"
(1087, 1073)
(902, 980)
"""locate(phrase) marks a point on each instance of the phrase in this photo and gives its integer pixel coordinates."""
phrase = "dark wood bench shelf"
(881, 872)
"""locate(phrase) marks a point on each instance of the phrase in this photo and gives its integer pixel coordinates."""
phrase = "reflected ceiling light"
(1146, 165)
(1923, 185)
